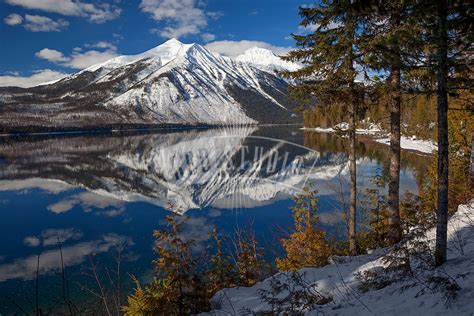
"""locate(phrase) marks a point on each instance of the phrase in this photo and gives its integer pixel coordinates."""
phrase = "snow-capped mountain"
(266, 60)
(173, 83)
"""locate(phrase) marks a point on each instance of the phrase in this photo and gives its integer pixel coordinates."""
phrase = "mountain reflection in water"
(94, 192)
(177, 171)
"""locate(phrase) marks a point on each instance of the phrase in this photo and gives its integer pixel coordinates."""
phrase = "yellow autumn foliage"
(307, 246)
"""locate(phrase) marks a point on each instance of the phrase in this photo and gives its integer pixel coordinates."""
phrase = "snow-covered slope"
(163, 54)
(446, 290)
(173, 83)
(266, 60)
(196, 82)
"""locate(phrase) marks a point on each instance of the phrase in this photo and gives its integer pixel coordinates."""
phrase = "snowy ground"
(412, 296)
(372, 129)
(380, 136)
(411, 143)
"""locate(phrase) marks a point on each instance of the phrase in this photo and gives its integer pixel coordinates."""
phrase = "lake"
(80, 201)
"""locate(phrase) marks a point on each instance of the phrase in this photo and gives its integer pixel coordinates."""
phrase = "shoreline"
(118, 129)
(410, 143)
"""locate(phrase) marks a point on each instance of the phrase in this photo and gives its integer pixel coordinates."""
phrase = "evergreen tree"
(430, 42)
(441, 56)
(332, 63)
(392, 44)
(449, 38)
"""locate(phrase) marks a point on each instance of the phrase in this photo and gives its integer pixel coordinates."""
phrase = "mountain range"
(173, 83)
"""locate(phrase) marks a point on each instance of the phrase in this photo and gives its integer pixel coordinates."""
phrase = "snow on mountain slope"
(266, 60)
(164, 53)
(154, 58)
(173, 83)
(195, 83)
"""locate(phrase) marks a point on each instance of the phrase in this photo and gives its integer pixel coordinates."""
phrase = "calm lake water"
(101, 195)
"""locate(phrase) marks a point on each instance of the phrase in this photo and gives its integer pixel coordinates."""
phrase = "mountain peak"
(170, 44)
(165, 52)
(172, 41)
(173, 83)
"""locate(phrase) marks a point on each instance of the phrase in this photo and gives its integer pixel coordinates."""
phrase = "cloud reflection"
(51, 237)
(48, 185)
(50, 260)
(89, 201)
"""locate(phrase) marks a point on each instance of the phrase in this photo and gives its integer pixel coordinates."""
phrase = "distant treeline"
(418, 117)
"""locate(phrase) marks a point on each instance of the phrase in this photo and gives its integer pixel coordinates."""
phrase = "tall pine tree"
(452, 61)
(393, 44)
(448, 37)
(332, 64)
(425, 46)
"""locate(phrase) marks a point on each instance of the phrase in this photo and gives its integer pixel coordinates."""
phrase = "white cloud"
(37, 78)
(38, 23)
(102, 45)
(207, 37)
(308, 28)
(83, 60)
(96, 13)
(80, 59)
(105, 12)
(51, 55)
(13, 19)
(235, 48)
(215, 14)
(314, 27)
(182, 17)
(65, 7)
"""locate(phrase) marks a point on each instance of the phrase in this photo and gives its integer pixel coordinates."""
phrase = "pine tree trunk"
(353, 198)
(443, 145)
(394, 183)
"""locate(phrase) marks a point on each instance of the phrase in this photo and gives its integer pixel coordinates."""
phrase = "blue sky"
(44, 39)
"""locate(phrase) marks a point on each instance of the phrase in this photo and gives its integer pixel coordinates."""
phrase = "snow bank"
(406, 142)
(412, 143)
(409, 297)
(371, 129)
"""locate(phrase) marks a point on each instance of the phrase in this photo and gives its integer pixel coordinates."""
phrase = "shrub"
(308, 244)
